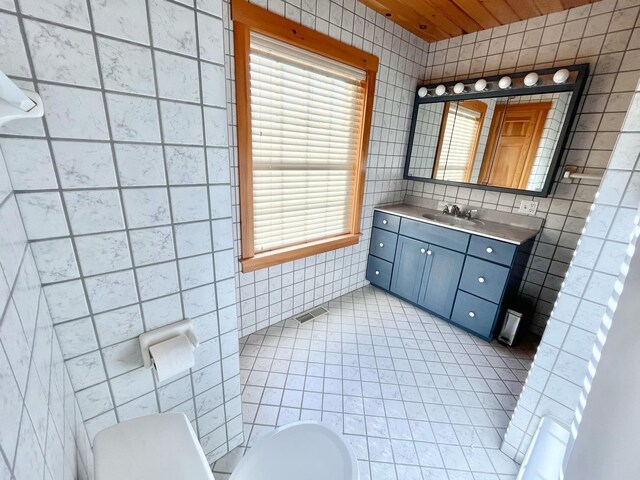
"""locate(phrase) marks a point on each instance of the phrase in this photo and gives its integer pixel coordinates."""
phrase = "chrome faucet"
(455, 211)
(445, 210)
(470, 213)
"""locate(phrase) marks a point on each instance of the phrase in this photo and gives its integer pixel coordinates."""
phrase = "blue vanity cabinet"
(440, 280)
(467, 279)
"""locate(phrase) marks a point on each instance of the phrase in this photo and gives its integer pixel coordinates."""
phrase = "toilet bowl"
(165, 447)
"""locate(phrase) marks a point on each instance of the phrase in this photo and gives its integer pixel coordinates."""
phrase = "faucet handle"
(470, 213)
(445, 210)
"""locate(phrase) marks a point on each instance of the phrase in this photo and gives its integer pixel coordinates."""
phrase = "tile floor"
(415, 397)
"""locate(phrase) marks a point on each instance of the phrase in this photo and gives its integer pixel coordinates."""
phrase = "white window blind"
(460, 135)
(306, 112)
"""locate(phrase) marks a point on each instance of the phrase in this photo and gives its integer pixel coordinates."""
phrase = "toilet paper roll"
(172, 357)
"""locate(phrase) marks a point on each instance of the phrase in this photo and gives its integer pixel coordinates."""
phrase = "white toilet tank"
(155, 447)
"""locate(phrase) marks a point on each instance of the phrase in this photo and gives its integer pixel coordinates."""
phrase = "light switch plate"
(528, 207)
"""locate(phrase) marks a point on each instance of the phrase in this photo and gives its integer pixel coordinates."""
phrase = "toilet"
(165, 447)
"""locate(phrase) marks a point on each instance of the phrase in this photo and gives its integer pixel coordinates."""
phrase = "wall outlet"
(528, 207)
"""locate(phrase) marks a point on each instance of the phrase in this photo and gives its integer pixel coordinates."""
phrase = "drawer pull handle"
(481, 279)
(472, 314)
(489, 250)
(381, 244)
(377, 272)
(384, 222)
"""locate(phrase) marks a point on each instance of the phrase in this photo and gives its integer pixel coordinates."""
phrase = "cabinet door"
(408, 267)
(440, 280)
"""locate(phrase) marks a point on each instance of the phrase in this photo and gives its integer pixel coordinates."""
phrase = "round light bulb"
(505, 82)
(480, 85)
(422, 92)
(441, 90)
(561, 75)
(458, 87)
(531, 79)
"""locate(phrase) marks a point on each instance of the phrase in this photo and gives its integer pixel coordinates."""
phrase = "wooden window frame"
(476, 106)
(249, 18)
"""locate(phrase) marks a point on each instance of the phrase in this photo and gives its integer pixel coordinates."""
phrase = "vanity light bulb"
(458, 87)
(422, 92)
(481, 85)
(561, 75)
(505, 82)
(441, 90)
(531, 79)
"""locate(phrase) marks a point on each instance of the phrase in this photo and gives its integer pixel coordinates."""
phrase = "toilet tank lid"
(154, 447)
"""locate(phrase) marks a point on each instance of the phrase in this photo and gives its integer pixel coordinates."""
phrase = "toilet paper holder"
(153, 337)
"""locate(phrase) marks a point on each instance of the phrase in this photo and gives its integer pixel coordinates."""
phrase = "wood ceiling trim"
(477, 11)
(412, 21)
(526, 8)
(456, 14)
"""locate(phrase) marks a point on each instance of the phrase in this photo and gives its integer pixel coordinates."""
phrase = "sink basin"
(451, 220)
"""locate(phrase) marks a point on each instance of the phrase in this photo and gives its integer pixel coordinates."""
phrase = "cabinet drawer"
(379, 272)
(493, 250)
(445, 237)
(484, 279)
(383, 244)
(386, 221)
(474, 313)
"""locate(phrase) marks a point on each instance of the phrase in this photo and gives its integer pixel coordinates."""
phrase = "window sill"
(295, 252)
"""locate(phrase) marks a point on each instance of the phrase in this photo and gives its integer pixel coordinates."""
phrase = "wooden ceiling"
(435, 20)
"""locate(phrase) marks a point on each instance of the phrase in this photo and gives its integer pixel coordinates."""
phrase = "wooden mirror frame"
(576, 87)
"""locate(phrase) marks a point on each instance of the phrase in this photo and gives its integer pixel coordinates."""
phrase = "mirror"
(510, 140)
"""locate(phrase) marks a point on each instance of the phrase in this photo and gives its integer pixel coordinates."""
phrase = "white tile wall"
(41, 433)
(270, 295)
(587, 298)
(606, 36)
(120, 187)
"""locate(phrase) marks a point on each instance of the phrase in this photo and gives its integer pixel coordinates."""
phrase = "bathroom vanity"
(464, 270)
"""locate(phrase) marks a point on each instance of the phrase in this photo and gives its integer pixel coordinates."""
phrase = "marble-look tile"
(199, 300)
(213, 7)
(94, 400)
(157, 280)
(173, 27)
(181, 123)
(86, 370)
(126, 67)
(121, 18)
(185, 165)
(93, 211)
(146, 405)
(193, 239)
(133, 118)
(215, 124)
(225, 264)
(74, 113)
(11, 401)
(66, 301)
(152, 245)
(118, 325)
(29, 462)
(42, 214)
(196, 271)
(218, 165)
(220, 197)
(178, 77)
(110, 291)
(55, 260)
(211, 33)
(76, 337)
(162, 311)
(102, 421)
(146, 207)
(29, 163)
(13, 239)
(131, 385)
(226, 292)
(213, 85)
(14, 55)
(103, 253)
(68, 12)
(84, 164)
(5, 183)
(175, 393)
(189, 204)
(140, 165)
(122, 357)
(62, 55)
(15, 345)
(222, 238)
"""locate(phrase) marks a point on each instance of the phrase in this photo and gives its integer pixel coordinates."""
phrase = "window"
(304, 103)
(459, 137)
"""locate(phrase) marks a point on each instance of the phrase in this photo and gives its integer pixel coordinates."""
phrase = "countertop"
(505, 232)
